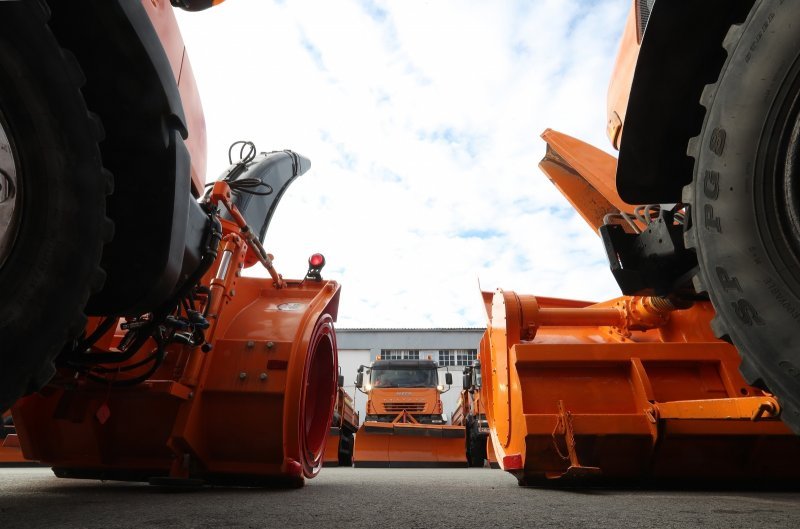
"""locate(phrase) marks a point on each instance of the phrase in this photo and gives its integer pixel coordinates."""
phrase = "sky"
(421, 119)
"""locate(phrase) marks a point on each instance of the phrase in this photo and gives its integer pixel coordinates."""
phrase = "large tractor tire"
(52, 200)
(745, 199)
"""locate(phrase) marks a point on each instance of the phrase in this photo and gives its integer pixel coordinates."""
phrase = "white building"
(451, 349)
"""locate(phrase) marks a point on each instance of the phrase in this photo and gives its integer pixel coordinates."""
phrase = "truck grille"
(397, 407)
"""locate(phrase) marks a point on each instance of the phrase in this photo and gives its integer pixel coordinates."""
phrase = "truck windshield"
(398, 377)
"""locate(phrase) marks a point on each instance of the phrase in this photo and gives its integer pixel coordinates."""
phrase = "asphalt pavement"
(378, 498)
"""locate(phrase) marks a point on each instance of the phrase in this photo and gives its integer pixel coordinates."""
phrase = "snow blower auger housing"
(233, 381)
(634, 388)
(404, 425)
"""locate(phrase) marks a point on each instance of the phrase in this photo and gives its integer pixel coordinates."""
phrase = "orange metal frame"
(461, 410)
(621, 79)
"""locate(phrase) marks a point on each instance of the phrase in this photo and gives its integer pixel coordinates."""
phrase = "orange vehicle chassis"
(630, 389)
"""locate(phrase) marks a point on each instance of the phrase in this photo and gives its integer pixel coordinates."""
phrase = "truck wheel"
(476, 451)
(745, 200)
(346, 444)
(52, 200)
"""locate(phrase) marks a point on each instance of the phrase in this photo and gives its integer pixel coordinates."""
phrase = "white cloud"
(422, 121)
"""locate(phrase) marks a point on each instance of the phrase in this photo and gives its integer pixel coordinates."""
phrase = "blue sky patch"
(313, 52)
(479, 234)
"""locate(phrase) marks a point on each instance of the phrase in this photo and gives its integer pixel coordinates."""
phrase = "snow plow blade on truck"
(404, 426)
(402, 445)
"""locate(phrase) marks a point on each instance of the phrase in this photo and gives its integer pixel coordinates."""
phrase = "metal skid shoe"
(231, 382)
(575, 470)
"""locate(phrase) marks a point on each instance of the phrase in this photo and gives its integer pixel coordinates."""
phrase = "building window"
(446, 358)
(465, 357)
(400, 354)
(457, 357)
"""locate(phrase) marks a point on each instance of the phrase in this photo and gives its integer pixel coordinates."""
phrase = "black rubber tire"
(744, 206)
(53, 265)
(346, 444)
(476, 446)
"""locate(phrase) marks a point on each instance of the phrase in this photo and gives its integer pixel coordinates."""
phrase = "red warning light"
(316, 261)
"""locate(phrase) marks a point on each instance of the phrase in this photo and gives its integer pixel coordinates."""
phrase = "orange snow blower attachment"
(634, 388)
(234, 382)
(404, 426)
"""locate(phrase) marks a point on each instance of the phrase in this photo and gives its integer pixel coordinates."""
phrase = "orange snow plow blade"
(331, 457)
(629, 389)
(409, 445)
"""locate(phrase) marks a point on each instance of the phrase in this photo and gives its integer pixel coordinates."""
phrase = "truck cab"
(408, 388)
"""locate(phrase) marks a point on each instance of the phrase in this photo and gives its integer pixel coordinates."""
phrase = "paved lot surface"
(371, 498)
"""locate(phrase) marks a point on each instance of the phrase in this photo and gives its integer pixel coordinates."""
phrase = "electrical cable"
(244, 156)
(158, 358)
(250, 186)
(138, 337)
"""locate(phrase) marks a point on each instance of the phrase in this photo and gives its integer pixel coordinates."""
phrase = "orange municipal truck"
(404, 425)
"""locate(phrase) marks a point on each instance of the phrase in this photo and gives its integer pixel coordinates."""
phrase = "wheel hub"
(10, 200)
(790, 189)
